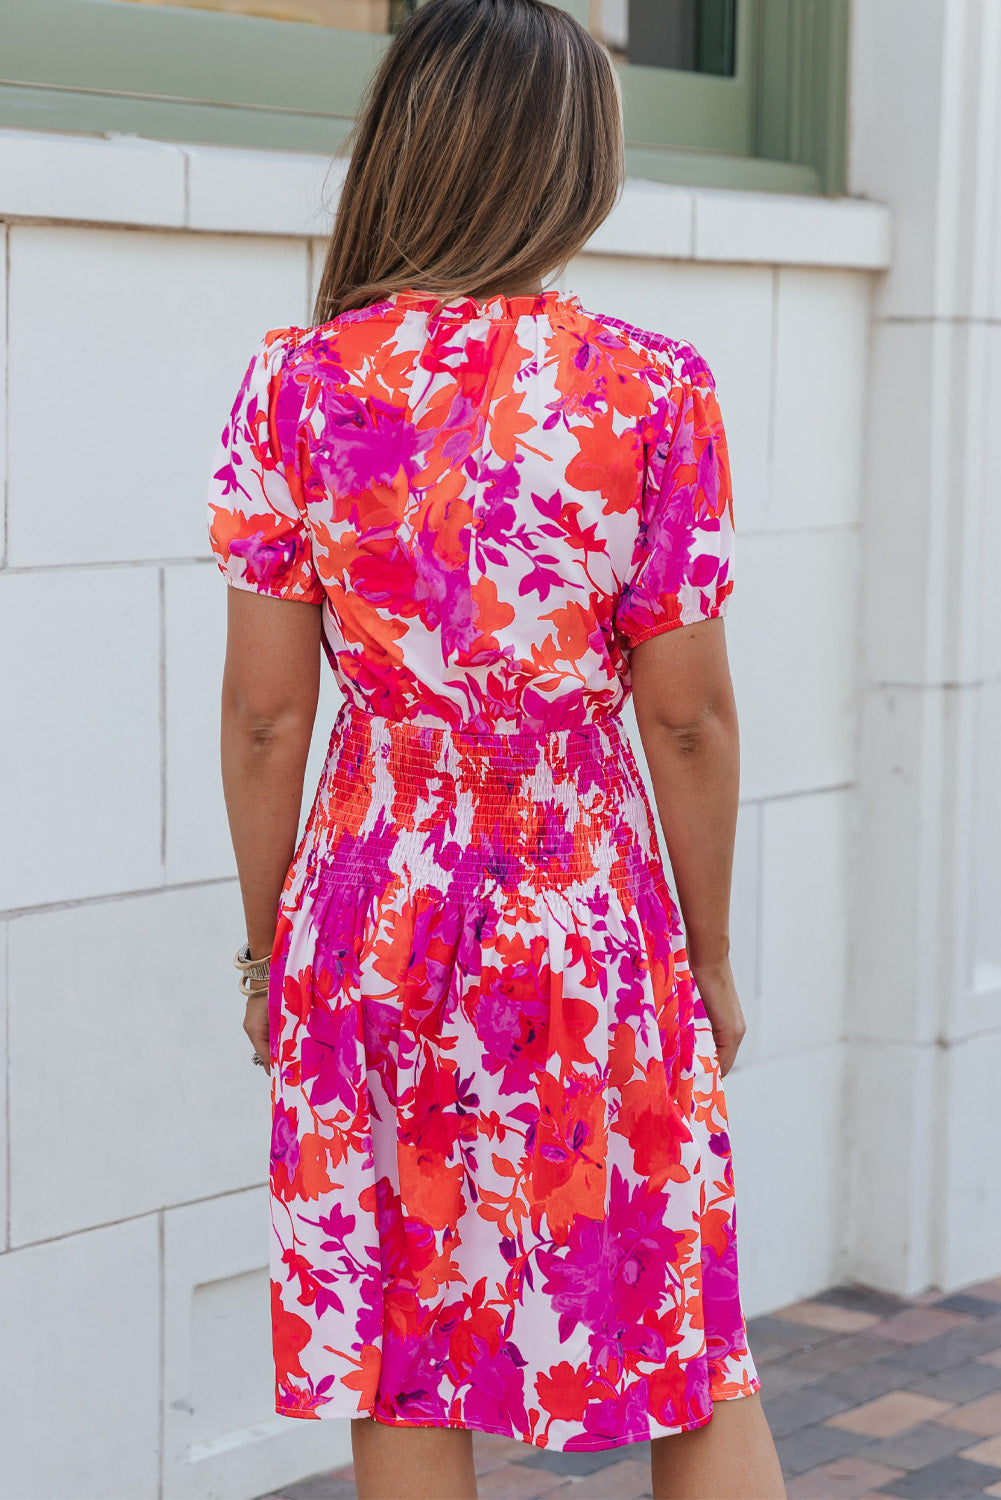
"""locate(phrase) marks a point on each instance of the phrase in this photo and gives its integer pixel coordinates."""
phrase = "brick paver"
(842, 1353)
(916, 1446)
(983, 1416)
(864, 1382)
(962, 1383)
(628, 1480)
(868, 1394)
(812, 1447)
(516, 1482)
(772, 1337)
(987, 1452)
(864, 1299)
(948, 1478)
(802, 1407)
(991, 1289)
(920, 1323)
(491, 1452)
(579, 1465)
(845, 1477)
(320, 1487)
(965, 1302)
(828, 1316)
(887, 1415)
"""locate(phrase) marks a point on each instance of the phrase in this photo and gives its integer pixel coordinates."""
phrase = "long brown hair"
(488, 151)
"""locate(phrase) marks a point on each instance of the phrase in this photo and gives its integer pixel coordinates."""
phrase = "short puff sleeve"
(681, 569)
(257, 519)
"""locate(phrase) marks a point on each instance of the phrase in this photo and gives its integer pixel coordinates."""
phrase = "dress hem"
(325, 1414)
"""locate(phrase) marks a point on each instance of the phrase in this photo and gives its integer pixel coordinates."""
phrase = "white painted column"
(926, 986)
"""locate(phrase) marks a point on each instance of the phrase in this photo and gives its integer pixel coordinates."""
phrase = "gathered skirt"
(501, 1180)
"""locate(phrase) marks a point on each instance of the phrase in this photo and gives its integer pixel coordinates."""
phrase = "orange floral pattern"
(502, 1187)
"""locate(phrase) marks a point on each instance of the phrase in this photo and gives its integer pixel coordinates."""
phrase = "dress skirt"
(501, 1180)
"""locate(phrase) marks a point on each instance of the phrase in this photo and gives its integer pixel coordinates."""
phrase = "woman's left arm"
(270, 688)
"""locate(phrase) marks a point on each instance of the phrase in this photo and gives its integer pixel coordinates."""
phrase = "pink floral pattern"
(501, 1178)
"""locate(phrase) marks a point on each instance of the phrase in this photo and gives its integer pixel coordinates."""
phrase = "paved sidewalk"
(868, 1395)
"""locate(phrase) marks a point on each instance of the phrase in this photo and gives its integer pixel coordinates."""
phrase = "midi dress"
(502, 1191)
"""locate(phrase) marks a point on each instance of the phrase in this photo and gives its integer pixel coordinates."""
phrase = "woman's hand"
(719, 996)
(255, 1024)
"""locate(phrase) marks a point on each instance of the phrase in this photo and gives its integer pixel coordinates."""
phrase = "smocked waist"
(433, 734)
(443, 806)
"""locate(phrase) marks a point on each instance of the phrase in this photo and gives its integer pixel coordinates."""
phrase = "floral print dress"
(501, 1180)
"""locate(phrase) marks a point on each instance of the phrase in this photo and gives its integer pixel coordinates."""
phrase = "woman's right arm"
(687, 718)
(269, 695)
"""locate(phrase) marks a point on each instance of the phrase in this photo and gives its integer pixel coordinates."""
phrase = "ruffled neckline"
(528, 304)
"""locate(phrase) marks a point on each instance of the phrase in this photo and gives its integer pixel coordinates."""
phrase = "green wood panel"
(666, 107)
(577, 8)
(774, 77)
(169, 120)
(829, 92)
(803, 86)
(719, 169)
(166, 52)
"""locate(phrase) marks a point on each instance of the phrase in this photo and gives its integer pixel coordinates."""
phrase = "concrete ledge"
(91, 179)
(226, 190)
(792, 230)
(261, 192)
(650, 219)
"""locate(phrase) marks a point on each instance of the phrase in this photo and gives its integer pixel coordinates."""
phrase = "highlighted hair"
(488, 151)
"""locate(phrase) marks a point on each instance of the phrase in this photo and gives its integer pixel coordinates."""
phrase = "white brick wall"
(4, 1143)
(745, 920)
(131, 1297)
(925, 981)
(130, 1087)
(972, 1067)
(80, 759)
(81, 1355)
(819, 403)
(125, 348)
(786, 1118)
(804, 932)
(986, 851)
(792, 653)
(221, 1434)
(197, 845)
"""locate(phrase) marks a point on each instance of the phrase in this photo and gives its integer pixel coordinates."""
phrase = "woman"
(502, 1192)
